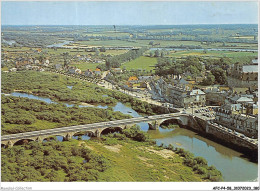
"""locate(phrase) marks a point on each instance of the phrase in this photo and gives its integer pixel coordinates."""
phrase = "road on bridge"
(89, 126)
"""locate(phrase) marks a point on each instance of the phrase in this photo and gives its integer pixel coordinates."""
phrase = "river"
(58, 45)
(232, 164)
(9, 42)
(209, 49)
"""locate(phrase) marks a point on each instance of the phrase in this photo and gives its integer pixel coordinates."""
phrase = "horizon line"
(126, 24)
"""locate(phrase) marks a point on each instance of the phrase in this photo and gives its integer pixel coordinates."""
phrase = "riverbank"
(142, 162)
(213, 132)
(113, 158)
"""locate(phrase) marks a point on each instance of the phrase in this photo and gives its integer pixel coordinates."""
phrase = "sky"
(128, 13)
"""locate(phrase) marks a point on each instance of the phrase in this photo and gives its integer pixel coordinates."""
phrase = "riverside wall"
(223, 137)
(216, 134)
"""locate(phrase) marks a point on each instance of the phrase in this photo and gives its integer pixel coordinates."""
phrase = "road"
(90, 126)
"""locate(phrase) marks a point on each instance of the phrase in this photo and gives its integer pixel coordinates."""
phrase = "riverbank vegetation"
(51, 161)
(24, 114)
(169, 126)
(114, 157)
(198, 164)
(54, 86)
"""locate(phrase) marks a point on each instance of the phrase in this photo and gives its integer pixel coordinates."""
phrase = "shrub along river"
(232, 164)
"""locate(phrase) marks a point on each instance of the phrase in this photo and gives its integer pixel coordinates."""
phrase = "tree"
(66, 58)
(209, 80)
(201, 161)
(102, 49)
(157, 53)
(162, 54)
(220, 75)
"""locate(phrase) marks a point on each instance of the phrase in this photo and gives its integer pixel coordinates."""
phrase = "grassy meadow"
(145, 63)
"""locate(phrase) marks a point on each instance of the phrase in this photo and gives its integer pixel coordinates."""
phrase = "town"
(121, 102)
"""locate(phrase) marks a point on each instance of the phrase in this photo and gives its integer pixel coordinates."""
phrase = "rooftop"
(255, 61)
(250, 68)
(196, 92)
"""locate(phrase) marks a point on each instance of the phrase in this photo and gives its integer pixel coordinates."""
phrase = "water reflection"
(48, 100)
(60, 44)
(225, 159)
(231, 163)
(82, 137)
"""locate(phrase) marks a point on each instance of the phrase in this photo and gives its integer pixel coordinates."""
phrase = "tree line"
(51, 162)
(24, 114)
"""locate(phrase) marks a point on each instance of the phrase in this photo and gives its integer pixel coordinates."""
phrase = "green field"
(133, 161)
(164, 43)
(85, 66)
(145, 63)
(217, 54)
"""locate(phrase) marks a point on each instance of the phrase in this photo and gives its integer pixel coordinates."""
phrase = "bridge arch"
(51, 137)
(89, 133)
(169, 121)
(108, 130)
(22, 141)
(3, 145)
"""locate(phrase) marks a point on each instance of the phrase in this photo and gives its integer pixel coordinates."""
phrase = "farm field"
(85, 66)
(145, 63)
(160, 43)
(216, 54)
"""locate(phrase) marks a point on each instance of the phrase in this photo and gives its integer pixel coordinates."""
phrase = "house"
(37, 62)
(133, 79)
(199, 79)
(251, 108)
(77, 71)
(240, 99)
(98, 61)
(30, 61)
(21, 63)
(145, 78)
(97, 71)
(89, 73)
(37, 68)
(47, 62)
(117, 70)
(255, 61)
(178, 95)
(195, 97)
(28, 67)
(58, 66)
(215, 96)
(243, 76)
(13, 70)
(241, 122)
(133, 82)
(72, 70)
(88, 59)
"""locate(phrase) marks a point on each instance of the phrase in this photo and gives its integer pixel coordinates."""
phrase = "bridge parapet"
(95, 129)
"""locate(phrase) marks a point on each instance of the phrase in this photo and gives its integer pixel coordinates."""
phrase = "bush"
(202, 170)
(201, 160)
(170, 147)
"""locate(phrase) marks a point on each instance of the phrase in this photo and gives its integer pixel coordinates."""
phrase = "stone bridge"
(94, 129)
